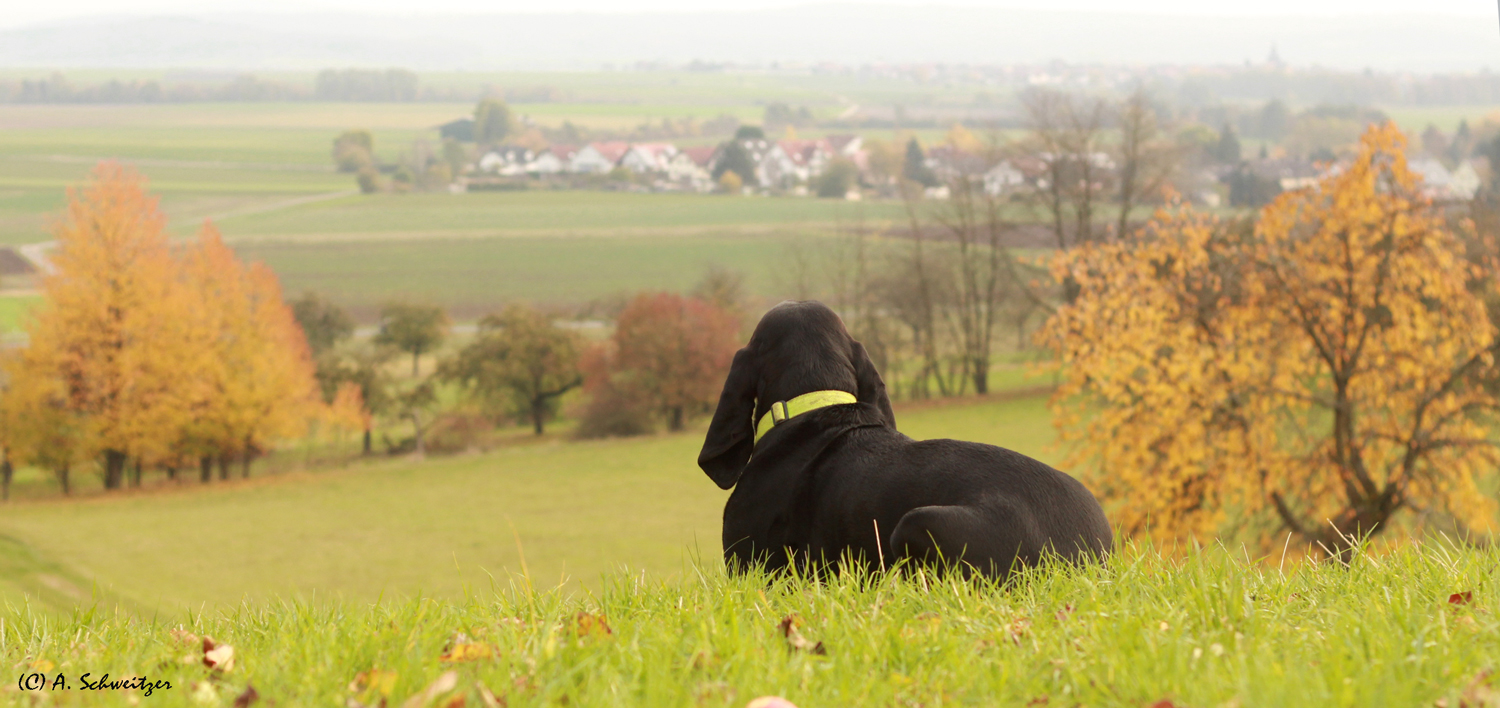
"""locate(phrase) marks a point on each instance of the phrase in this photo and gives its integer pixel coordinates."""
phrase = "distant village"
(1205, 166)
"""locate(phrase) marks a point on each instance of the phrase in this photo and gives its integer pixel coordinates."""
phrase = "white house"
(506, 160)
(1003, 178)
(648, 157)
(598, 158)
(691, 167)
(809, 157)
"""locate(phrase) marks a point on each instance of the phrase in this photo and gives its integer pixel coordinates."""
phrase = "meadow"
(398, 527)
(583, 574)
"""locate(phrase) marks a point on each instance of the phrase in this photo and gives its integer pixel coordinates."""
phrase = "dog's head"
(797, 348)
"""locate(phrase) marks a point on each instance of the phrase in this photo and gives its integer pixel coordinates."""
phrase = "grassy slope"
(399, 527)
(1209, 630)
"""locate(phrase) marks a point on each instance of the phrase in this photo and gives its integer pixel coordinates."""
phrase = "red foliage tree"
(670, 356)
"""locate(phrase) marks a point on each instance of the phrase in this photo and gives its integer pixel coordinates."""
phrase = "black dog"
(838, 479)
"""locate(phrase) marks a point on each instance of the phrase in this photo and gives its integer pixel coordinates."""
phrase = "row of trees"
(146, 355)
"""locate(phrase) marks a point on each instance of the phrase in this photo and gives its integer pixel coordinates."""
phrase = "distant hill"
(846, 34)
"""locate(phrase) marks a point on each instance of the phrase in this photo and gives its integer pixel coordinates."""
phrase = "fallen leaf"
(1038, 701)
(588, 625)
(1479, 693)
(444, 683)
(794, 638)
(247, 698)
(1461, 598)
(488, 697)
(1064, 612)
(468, 652)
(382, 682)
(41, 665)
(216, 656)
(185, 637)
(770, 702)
(1164, 703)
(456, 702)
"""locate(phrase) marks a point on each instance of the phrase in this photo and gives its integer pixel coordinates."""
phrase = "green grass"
(399, 527)
(1208, 629)
(13, 309)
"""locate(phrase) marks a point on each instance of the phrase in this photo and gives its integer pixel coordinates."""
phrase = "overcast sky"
(26, 13)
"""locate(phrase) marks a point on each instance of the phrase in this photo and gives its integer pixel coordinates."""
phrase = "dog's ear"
(731, 435)
(871, 386)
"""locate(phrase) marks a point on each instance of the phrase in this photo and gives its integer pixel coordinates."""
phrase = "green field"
(395, 527)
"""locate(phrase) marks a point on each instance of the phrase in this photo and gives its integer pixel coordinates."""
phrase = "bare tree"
(1066, 133)
(986, 270)
(1145, 161)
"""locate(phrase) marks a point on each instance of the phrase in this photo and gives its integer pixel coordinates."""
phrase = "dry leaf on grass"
(586, 624)
(216, 656)
(488, 697)
(1480, 693)
(444, 683)
(468, 652)
(381, 682)
(247, 698)
(794, 638)
(770, 702)
(1461, 598)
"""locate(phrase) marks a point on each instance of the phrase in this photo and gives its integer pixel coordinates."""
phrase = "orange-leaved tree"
(258, 384)
(1313, 373)
(113, 330)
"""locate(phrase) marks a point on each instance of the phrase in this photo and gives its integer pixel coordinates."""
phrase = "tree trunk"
(172, 472)
(135, 474)
(981, 378)
(62, 479)
(6, 471)
(367, 447)
(674, 419)
(416, 429)
(114, 469)
(206, 469)
(538, 410)
(224, 460)
(245, 460)
(415, 371)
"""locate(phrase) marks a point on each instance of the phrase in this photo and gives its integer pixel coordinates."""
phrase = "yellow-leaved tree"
(1313, 373)
(107, 347)
(257, 382)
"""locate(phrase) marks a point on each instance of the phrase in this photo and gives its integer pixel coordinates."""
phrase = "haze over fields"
(1414, 39)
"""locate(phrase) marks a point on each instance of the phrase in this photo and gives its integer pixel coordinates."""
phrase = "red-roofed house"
(598, 158)
(648, 157)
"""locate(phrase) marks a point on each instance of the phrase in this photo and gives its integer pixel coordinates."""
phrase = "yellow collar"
(782, 411)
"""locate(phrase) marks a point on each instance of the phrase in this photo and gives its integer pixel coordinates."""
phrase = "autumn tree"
(40, 427)
(1314, 373)
(364, 369)
(259, 384)
(519, 363)
(673, 352)
(413, 329)
(113, 330)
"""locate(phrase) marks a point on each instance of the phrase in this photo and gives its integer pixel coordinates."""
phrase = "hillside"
(395, 527)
